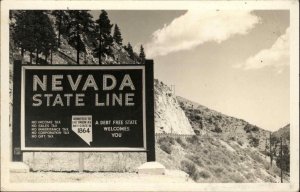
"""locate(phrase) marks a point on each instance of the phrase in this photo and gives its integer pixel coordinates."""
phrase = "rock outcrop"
(169, 117)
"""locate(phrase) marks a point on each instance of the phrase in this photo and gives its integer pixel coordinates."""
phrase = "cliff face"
(169, 117)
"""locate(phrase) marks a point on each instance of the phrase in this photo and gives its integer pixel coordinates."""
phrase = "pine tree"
(130, 51)
(80, 23)
(142, 56)
(23, 32)
(117, 35)
(61, 22)
(34, 32)
(49, 40)
(104, 37)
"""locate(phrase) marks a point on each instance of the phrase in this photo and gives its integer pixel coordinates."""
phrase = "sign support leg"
(150, 111)
(17, 155)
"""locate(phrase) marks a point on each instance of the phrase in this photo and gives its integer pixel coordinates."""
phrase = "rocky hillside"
(169, 117)
(205, 121)
(283, 132)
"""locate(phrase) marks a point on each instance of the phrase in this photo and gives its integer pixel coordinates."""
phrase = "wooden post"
(271, 155)
(81, 162)
(16, 132)
(266, 146)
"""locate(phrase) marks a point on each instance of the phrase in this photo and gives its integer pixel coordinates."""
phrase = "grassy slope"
(225, 156)
(210, 159)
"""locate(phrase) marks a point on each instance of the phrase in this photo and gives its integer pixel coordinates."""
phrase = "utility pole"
(281, 179)
(266, 147)
(271, 155)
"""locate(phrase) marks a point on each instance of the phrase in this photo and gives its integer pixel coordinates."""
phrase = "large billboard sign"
(86, 108)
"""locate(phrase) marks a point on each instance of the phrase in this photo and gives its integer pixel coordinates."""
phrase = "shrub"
(250, 176)
(195, 159)
(197, 117)
(190, 168)
(275, 170)
(170, 140)
(267, 165)
(232, 138)
(217, 169)
(193, 139)
(240, 142)
(217, 129)
(255, 156)
(236, 177)
(166, 147)
(181, 142)
(248, 128)
(166, 144)
(253, 141)
(205, 151)
(204, 174)
(197, 132)
(242, 158)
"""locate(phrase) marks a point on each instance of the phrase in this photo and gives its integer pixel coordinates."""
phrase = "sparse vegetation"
(166, 144)
(197, 160)
(204, 174)
(236, 177)
(253, 141)
(217, 129)
(190, 168)
(193, 139)
(240, 142)
(250, 128)
(181, 142)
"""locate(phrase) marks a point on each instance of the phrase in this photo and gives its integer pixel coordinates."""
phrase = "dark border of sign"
(148, 109)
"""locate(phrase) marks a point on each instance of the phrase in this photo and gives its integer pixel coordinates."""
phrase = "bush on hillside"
(196, 159)
(232, 138)
(190, 168)
(192, 140)
(253, 141)
(240, 142)
(197, 117)
(255, 156)
(204, 174)
(249, 128)
(166, 147)
(236, 177)
(181, 142)
(217, 129)
(166, 144)
(170, 140)
(197, 132)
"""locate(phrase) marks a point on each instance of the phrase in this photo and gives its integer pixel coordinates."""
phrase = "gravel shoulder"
(171, 176)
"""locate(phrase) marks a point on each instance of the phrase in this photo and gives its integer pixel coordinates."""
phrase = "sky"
(235, 62)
